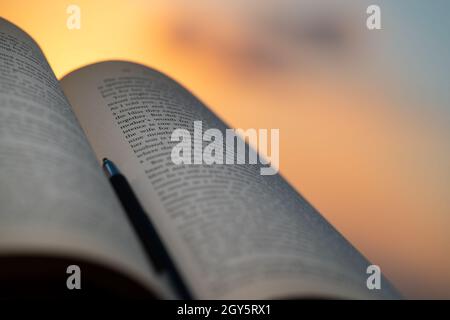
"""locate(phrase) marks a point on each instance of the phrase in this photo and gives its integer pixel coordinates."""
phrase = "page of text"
(54, 197)
(233, 232)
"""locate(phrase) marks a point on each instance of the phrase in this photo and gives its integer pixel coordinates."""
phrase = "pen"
(144, 228)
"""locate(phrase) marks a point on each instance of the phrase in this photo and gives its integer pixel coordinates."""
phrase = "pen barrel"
(140, 221)
(147, 233)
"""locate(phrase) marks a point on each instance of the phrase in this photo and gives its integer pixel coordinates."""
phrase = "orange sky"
(352, 140)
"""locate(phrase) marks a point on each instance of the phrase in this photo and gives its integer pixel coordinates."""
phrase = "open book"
(231, 232)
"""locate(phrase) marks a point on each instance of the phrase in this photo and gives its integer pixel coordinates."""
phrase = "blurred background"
(364, 116)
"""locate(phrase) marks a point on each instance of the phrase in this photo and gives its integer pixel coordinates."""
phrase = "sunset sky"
(364, 116)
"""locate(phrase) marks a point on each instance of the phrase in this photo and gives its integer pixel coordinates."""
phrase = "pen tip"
(110, 168)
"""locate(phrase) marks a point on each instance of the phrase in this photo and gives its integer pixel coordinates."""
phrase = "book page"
(232, 232)
(54, 198)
